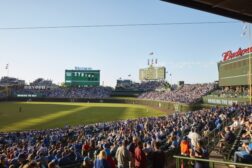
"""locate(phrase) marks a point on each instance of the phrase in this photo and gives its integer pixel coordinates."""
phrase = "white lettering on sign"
(82, 68)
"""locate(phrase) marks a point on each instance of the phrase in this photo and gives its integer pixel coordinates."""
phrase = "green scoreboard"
(234, 69)
(82, 77)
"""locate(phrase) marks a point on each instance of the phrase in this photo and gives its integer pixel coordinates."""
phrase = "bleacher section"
(168, 131)
(127, 88)
(188, 93)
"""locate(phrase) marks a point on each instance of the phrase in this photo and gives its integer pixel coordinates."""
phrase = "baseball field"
(19, 116)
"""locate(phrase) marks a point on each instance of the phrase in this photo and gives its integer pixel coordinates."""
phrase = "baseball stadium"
(145, 123)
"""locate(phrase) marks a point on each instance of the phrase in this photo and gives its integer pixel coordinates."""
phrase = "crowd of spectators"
(86, 92)
(61, 92)
(143, 86)
(10, 81)
(244, 151)
(188, 93)
(129, 143)
(231, 92)
(152, 85)
(42, 82)
(82, 92)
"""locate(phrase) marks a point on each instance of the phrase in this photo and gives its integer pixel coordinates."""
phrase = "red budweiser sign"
(230, 55)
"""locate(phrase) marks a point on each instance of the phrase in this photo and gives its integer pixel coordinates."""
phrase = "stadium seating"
(65, 145)
(61, 92)
(188, 93)
(143, 86)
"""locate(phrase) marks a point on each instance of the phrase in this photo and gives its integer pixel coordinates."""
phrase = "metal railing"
(213, 137)
(211, 163)
(73, 165)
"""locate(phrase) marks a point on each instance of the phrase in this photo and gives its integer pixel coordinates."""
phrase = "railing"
(213, 137)
(73, 165)
(211, 163)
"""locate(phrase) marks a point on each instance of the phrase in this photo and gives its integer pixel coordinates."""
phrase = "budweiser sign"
(231, 55)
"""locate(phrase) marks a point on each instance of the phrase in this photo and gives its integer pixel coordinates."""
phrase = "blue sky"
(189, 52)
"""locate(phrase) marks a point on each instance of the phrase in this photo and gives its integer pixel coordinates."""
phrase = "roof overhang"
(236, 9)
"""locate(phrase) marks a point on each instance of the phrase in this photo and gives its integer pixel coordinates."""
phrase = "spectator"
(22, 160)
(236, 124)
(101, 161)
(185, 150)
(85, 148)
(131, 147)
(110, 160)
(87, 163)
(200, 152)
(123, 156)
(228, 137)
(158, 157)
(194, 137)
(52, 164)
(244, 153)
(2, 161)
(32, 164)
(140, 158)
(185, 146)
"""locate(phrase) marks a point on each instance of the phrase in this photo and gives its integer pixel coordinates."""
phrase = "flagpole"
(8, 71)
(171, 78)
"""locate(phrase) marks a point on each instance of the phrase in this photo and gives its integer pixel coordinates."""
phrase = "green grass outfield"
(42, 115)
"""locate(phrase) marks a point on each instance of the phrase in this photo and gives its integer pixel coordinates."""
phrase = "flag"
(151, 53)
(244, 29)
(7, 66)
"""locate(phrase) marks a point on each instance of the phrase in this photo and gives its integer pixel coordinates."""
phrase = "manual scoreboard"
(152, 73)
(82, 77)
(234, 69)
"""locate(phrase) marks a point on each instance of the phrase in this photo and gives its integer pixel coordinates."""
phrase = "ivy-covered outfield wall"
(163, 105)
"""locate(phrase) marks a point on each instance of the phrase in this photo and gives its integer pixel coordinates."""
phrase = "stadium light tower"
(170, 75)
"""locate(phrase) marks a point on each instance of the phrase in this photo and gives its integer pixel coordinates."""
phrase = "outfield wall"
(211, 99)
(162, 105)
